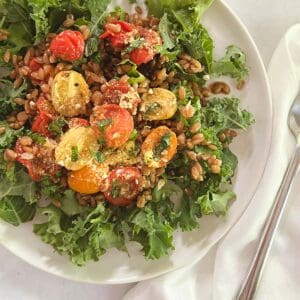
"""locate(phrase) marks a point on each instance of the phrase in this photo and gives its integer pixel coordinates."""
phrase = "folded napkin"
(220, 274)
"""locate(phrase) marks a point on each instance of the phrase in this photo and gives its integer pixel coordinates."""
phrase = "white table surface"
(267, 20)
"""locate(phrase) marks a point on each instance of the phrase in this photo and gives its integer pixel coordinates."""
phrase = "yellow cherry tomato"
(70, 93)
(158, 104)
(76, 147)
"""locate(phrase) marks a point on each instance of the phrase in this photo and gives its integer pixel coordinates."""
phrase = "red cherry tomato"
(147, 51)
(113, 123)
(124, 185)
(78, 122)
(44, 118)
(68, 45)
(28, 163)
(118, 33)
(114, 91)
(141, 55)
(40, 124)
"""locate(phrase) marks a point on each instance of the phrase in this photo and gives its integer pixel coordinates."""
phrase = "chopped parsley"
(99, 156)
(104, 123)
(137, 43)
(74, 155)
(37, 138)
(101, 142)
(56, 126)
(163, 144)
(133, 135)
(153, 107)
(116, 189)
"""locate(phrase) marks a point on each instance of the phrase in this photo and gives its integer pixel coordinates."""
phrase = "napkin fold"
(221, 272)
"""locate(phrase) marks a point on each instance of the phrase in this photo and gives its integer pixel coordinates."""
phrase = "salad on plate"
(114, 127)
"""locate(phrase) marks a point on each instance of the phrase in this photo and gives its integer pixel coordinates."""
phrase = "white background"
(267, 20)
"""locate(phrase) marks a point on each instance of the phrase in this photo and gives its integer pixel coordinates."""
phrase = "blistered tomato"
(68, 45)
(89, 180)
(112, 123)
(124, 185)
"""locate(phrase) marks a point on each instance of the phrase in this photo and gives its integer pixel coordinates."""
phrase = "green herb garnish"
(116, 189)
(137, 43)
(104, 123)
(74, 155)
(56, 126)
(163, 144)
(99, 156)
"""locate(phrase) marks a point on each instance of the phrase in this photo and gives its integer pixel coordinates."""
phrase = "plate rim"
(192, 261)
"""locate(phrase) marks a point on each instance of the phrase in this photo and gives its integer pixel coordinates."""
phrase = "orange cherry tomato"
(90, 179)
(78, 122)
(159, 147)
(118, 33)
(124, 185)
(68, 45)
(113, 123)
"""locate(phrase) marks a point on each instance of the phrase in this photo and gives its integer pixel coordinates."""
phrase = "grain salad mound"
(118, 121)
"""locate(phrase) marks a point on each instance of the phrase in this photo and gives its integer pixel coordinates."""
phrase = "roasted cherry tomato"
(159, 147)
(70, 93)
(44, 118)
(146, 51)
(78, 122)
(76, 147)
(119, 33)
(124, 185)
(89, 180)
(113, 123)
(41, 123)
(68, 45)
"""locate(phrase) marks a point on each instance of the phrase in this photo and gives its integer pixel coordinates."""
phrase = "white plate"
(252, 149)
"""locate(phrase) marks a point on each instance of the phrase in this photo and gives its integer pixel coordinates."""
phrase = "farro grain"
(10, 155)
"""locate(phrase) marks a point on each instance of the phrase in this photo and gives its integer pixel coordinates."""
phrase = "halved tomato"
(90, 179)
(114, 91)
(112, 123)
(124, 185)
(159, 147)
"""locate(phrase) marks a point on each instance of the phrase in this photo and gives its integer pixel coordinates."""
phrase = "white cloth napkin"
(220, 274)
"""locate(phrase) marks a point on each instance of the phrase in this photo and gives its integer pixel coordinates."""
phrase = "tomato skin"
(118, 132)
(44, 118)
(78, 122)
(68, 45)
(118, 39)
(114, 91)
(141, 55)
(130, 179)
(147, 51)
(40, 124)
(27, 163)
